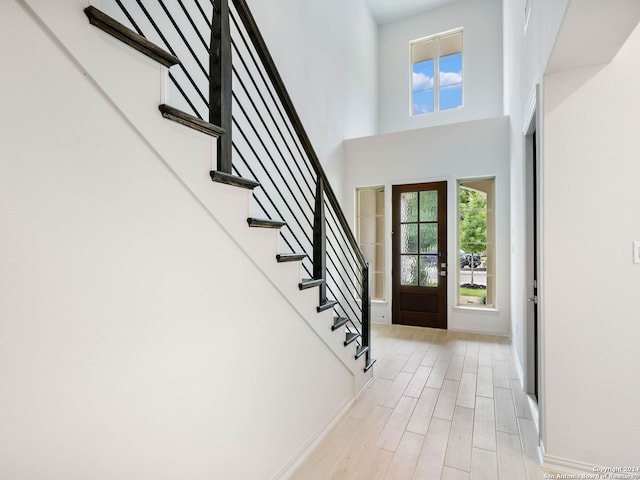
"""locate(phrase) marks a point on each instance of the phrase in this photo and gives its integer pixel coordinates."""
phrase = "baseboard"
(565, 466)
(516, 360)
(541, 453)
(301, 455)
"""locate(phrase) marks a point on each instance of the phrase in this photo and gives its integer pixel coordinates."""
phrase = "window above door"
(436, 80)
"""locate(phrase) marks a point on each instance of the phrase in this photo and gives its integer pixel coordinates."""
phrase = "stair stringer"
(286, 279)
(190, 155)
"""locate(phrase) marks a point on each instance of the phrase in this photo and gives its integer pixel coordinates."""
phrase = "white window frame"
(492, 280)
(436, 69)
(375, 240)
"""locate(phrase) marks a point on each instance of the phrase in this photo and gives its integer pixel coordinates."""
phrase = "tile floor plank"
(447, 400)
(414, 361)
(431, 460)
(510, 459)
(394, 367)
(437, 374)
(394, 392)
(505, 412)
(419, 421)
(467, 391)
(393, 430)
(369, 399)
(484, 425)
(500, 374)
(406, 457)
(414, 389)
(449, 473)
(363, 455)
(455, 367)
(484, 465)
(529, 440)
(520, 400)
(431, 356)
(395, 427)
(460, 440)
(485, 381)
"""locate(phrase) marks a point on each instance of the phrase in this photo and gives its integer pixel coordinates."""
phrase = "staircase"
(265, 165)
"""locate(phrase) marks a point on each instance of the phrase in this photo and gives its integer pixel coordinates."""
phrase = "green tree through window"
(476, 241)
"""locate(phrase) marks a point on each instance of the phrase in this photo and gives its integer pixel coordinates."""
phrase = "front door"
(419, 246)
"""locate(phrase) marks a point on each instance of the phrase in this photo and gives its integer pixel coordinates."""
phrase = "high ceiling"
(387, 11)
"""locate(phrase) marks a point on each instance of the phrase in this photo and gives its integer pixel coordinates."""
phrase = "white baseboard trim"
(566, 466)
(541, 453)
(303, 453)
(516, 360)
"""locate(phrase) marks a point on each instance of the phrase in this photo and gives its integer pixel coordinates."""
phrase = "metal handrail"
(272, 146)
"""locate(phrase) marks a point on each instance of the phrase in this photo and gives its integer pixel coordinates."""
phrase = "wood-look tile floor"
(443, 405)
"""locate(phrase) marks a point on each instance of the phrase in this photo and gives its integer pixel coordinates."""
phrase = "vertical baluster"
(220, 81)
(320, 241)
(366, 308)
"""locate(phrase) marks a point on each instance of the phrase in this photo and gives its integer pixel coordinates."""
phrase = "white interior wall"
(482, 64)
(449, 152)
(127, 345)
(582, 121)
(526, 54)
(326, 53)
(591, 285)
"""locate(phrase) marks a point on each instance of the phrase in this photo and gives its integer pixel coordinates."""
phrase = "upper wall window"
(436, 73)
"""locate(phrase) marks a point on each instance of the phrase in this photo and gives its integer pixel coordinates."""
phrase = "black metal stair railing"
(183, 28)
(227, 77)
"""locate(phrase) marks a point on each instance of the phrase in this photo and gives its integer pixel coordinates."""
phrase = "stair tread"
(229, 179)
(188, 120)
(326, 305)
(265, 223)
(117, 30)
(338, 322)
(350, 338)
(369, 364)
(361, 351)
(290, 257)
(310, 282)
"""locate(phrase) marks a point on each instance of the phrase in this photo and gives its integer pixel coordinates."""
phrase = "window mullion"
(436, 77)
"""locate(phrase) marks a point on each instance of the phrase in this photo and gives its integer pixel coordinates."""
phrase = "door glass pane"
(429, 206)
(429, 238)
(409, 207)
(428, 270)
(409, 238)
(409, 270)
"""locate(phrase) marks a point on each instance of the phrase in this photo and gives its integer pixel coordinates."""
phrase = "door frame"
(532, 256)
(534, 121)
(443, 302)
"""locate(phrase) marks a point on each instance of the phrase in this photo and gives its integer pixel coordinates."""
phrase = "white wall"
(526, 54)
(128, 346)
(450, 152)
(327, 56)
(591, 285)
(482, 64)
(586, 133)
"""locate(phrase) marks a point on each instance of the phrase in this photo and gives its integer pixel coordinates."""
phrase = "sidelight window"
(370, 235)
(476, 242)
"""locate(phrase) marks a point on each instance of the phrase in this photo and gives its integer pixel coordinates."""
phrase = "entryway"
(419, 254)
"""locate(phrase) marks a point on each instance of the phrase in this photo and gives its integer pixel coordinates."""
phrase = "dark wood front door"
(419, 247)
